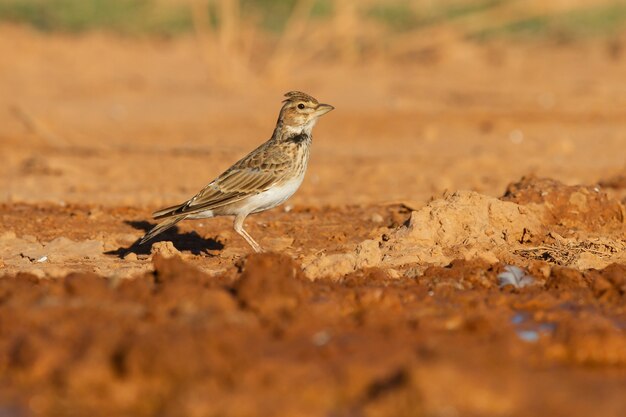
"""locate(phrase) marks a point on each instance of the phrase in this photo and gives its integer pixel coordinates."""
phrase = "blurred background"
(142, 101)
(241, 37)
(350, 22)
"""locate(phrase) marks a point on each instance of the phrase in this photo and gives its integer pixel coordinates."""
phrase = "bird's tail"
(167, 212)
(160, 228)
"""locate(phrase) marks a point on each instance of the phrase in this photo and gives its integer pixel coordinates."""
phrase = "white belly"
(272, 197)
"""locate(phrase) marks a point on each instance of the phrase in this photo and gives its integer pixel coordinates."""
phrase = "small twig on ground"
(564, 252)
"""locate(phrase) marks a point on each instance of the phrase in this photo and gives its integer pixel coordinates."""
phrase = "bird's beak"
(323, 109)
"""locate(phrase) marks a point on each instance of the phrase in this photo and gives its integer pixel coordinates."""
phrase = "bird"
(263, 179)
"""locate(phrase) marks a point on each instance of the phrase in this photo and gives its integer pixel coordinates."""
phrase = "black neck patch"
(299, 138)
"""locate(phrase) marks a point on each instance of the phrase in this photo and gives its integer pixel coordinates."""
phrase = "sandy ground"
(435, 174)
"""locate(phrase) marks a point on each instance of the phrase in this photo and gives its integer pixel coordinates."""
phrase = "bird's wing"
(252, 175)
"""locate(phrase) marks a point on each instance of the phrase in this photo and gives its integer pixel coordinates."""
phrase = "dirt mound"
(571, 207)
(537, 219)
(462, 225)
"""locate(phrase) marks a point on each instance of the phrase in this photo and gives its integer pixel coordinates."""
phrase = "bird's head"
(300, 112)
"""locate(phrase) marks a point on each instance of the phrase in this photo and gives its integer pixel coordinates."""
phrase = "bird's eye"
(301, 106)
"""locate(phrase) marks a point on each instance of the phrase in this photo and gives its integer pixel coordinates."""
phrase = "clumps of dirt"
(617, 182)
(267, 341)
(168, 269)
(87, 347)
(182, 339)
(565, 279)
(575, 207)
(609, 285)
(271, 285)
(536, 220)
(462, 275)
(368, 276)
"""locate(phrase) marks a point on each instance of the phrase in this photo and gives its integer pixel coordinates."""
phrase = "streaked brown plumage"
(265, 178)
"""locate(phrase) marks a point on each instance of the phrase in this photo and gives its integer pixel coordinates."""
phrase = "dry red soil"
(381, 293)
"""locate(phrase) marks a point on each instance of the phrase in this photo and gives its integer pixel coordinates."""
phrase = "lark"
(264, 179)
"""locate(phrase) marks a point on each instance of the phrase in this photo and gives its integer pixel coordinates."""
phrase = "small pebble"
(377, 218)
(321, 338)
(164, 248)
(516, 136)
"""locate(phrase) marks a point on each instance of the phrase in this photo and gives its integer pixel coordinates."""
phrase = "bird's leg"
(238, 225)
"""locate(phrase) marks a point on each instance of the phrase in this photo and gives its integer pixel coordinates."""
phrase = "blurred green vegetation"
(173, 17)
(602, 20)
(272, 15)
(139, 16)
(124, 16)
(402, 15)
